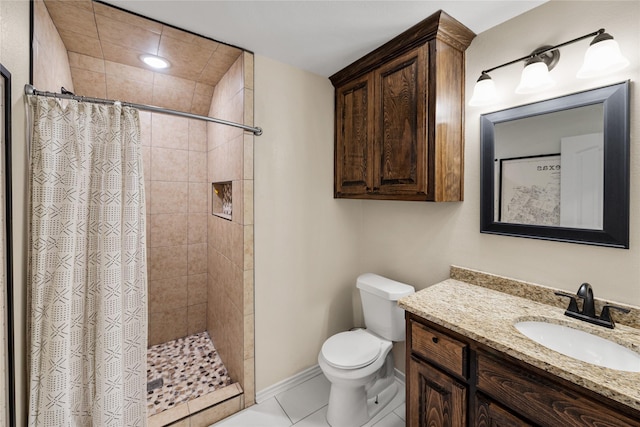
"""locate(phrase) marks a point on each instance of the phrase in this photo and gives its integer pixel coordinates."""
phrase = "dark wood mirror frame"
(5, 75)
(615, 232)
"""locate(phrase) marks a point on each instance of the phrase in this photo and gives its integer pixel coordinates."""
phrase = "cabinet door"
(354, 136)
(400, 146)
(434, 398)
(490, 414)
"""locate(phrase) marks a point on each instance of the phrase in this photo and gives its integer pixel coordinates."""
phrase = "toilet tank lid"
(383, 287)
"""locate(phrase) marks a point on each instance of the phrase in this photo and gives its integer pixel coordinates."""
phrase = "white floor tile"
(391, 420)
(266, 414)
(317, 419)
(306, 398)
(395, 402)
(401, 411)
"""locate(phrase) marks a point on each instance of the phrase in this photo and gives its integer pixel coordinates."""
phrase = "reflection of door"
(582, 181)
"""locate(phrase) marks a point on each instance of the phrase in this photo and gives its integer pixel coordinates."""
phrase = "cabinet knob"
(435, 340)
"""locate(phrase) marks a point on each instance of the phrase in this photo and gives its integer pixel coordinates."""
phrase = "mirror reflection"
(549, 169)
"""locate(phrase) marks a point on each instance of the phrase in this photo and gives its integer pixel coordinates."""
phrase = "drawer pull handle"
(435, 340)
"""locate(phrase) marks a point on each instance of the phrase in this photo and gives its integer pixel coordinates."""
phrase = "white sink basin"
(581, 345)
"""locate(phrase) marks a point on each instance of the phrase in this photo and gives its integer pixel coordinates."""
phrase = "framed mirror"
(7, 402)
(558, 169)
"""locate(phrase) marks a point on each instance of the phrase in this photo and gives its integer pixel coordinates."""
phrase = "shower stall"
(198, 178)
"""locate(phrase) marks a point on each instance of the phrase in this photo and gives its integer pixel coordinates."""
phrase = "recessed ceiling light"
(155, 61)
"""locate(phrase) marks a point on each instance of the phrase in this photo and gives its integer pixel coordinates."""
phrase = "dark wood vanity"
(455, 381)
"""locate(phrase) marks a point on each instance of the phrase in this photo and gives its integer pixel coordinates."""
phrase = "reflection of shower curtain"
(87, 275)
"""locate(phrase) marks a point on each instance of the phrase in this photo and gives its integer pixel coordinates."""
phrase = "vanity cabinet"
(400, 115)
(447, 372)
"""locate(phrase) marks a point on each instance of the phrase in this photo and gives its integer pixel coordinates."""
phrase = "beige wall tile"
(248, 291)
(168, 294)
(248, 336)
(126, 56)
(165, 418)
(89, 83)
(128, 72)
(197, 259)
(174, 99)
(235, 161)
(122, 16)
(85, 45)
(249, 382)
(198, 197)
(168, 230)
(147, 200)
(197, 318)
(197, 228)
(127, 35)
(201, 102)
(236, 243)
(169, 197)
(128, 90)
(237, 197)
(248, 107)
(218, 412)
(197, 289)
(84, 62)
(214, 398)
(247, 196)
(169, 131)
(167, 325)
(248, 70)
(145, 151)
(187, 59)
(197, 166)
(248, 156)
(76, 19)
(167, 262)
(169, 164)
(248, 247)
(145, 130)
(197, 135)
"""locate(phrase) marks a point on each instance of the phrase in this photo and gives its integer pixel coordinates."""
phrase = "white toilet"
(359, 363)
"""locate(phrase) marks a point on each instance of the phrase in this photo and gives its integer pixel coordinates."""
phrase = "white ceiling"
(317, 36)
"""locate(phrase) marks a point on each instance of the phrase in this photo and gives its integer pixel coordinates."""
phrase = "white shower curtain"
(87, 279)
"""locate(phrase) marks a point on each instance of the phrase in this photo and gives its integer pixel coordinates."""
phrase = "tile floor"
(189, 367)
(306, 406)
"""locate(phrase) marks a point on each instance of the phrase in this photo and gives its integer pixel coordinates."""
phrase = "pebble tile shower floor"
(189, 367)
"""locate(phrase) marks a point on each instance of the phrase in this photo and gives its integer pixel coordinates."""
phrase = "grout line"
(285, 412)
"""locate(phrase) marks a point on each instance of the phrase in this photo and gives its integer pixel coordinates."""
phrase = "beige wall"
(49, 50)
(306, 243)
(175, 168)
(310, 247)
(230, 317)
(417, 242)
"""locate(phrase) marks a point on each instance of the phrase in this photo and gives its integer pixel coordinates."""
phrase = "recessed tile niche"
(221, 200)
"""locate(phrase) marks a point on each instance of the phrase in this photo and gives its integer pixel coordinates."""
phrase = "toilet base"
(349, 407)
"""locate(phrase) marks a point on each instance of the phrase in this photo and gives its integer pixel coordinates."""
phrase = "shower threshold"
(186, 373)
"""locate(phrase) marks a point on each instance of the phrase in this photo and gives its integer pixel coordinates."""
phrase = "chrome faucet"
(588, 312)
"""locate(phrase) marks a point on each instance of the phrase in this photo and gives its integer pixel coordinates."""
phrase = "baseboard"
(287, 384)
(298, 379)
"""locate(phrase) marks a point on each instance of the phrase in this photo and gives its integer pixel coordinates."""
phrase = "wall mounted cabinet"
(400, 115)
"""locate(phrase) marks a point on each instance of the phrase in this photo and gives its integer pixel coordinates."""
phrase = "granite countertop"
(487, 316)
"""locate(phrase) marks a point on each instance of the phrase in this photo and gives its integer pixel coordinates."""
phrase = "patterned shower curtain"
(87, 279)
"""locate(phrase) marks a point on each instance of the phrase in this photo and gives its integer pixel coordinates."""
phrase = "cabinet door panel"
(354, 116)
(400, 140)
(490, 414)
(436, 400)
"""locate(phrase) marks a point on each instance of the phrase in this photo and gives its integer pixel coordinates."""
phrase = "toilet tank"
(380, 305)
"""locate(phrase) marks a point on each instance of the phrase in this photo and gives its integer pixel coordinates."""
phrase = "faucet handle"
(573, 305)
(606, 313)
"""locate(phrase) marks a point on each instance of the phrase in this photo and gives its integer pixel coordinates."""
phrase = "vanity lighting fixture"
(602, 57)
(155, 61)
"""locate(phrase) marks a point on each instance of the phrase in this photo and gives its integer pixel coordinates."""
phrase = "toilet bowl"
(359, 363)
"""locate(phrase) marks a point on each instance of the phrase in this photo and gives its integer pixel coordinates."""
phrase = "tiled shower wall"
(230, 318)
(175, 168)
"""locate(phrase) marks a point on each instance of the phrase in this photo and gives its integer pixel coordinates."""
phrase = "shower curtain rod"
(30, 90)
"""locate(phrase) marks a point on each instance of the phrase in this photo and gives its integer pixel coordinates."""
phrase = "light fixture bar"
(547, 49)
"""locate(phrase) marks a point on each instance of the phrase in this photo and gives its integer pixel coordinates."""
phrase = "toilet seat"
(351, 350)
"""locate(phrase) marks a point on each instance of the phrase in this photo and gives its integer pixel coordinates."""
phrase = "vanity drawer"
(439, 348)
(543, 401)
